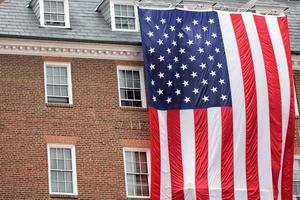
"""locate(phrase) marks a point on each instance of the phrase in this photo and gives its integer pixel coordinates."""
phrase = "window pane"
(63, 71)
(47, 17)
(56, 91)
(60, 177)
(130, 94)
(53, 163)
(64, 80)
(68, 176)
(56, 71)
(69, 164)
(47, 6)
(60, 7)
(64, 91)
(117, 10)
(60, 164)
(61, 187)
(58, 100)
(296, 188)
(54, 187)
(137, 94)
(130, 11)
(124, 10)
(60, 18)
(138, 185)
(136, 75)
(50, 80)
(52, 153)
(130, 185)
(53, 177)
(69, 188)
(56, 80)
(49, 71)
(68, 154)
(136, 104)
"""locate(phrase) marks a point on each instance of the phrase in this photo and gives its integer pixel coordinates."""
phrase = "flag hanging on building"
(221, 104)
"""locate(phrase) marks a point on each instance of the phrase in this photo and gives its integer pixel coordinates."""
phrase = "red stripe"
(175, 154)
(287, 168)
(155, 153)
(274, 98)
(227, 180)
(250, 106)
(201, 137)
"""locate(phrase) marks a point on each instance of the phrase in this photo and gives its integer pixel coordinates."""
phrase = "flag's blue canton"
(185, 61)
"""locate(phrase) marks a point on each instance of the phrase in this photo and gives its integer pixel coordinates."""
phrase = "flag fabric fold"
(221, 104)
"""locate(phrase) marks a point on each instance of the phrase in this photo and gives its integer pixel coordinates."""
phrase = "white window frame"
(133, 149)
(296, 157)
(112, 14)
(296, 103)
(142, 82)
(66, 11)
(74, 171)
(69, 77)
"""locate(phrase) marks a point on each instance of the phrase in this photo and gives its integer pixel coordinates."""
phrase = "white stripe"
(296, 104)
(284, 80)
(165, 175)
(263, 119)
(214, 153)
(188, 153)
(238, 105)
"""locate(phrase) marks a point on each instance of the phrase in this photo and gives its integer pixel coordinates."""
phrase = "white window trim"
(66, 11)
(147, 150)
(69, 77)
(142, 82)
(74, 174)
(112, 14)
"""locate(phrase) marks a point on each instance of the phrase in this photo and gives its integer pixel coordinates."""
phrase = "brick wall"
(95, 123)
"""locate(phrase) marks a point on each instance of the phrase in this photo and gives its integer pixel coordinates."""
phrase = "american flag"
(221, 104)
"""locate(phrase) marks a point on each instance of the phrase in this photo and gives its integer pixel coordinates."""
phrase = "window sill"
(60, 105)
(139, 109)
(63, 196)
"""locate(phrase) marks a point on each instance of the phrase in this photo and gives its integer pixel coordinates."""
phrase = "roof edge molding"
(70, 49)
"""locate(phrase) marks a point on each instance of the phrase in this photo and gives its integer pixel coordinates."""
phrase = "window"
(296, 182)
(62, 169)
(55, 13)
(131, 86)
(58, 85)
(124, 16)
(137, 172)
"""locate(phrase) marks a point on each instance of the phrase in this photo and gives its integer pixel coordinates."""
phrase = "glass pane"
(138, 185)
(129, 164)
(130, 94)
(117, 10)
(296, 187)
(68, 154)
(64, 80)
(56, 91)
(68, 164)
(56, 80)
(60, 177)
(137, 104)
(52, 153)
(123, 94)
(60, 7)
(53, 163)
(56, 71)
(49, 71)
(47, 6)
(58, 100)
(61, 187)
(53, 17)
(54, 187)
(50, 80)
(53, 6)
(297, 164)
(137, 94)
(123, 10)
(129, 75)
(60, 18)
(64, 91)
(60, 153)
(60, 164)
(47, 17)
(137, 162)
(137, 84)
(145, 187)
(63, 71)
(69, 188)
(68, 176)
(136, 75)
(53, 177)
(130, 11)
(130, 185)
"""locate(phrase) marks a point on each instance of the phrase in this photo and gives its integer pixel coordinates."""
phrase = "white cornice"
(81, 50)
(70, 49)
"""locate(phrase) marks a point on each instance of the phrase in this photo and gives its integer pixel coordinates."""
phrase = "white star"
(168, 50)
(183, 67)
(204, 28)
(157, 27)
(187, 99)
(205, 98)
(150, 34)
(219, 65)
(221, 81)
(210, 57)
(169, 100)
(217, 50)
(201, 50)
(185, 83)
(148, 19)
(181, 50)
(177, 75)
(195, 22)
(194, 74)
(192, 58)
(154, 99)
(214, 35)
(161, 75)
(172, 28)
(160, 92)
(180, 35)
(166, 35)
(187, 28)
(178, 92)
(203, 65)
(175, 59)
(169, 83)
(223, 97)
(196, 91)
(152, 66)
(204, 82)
(174, 43)
(212, 73)
(190, 42)
(151, 50)
(214, 89)
(161, 58)
(152, 82)
(162, 20)
(160, 42)
(169, 66)
(211, 21)
(207, 43)
(178, 20)
(198, 36)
